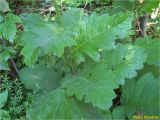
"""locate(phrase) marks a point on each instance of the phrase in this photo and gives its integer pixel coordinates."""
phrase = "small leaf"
(4, 56)
(3, 98)
(8, 31)
(4, 6)
(11, 18)
(4, 65)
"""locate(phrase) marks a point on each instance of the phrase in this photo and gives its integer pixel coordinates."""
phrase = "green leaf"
(49, 38)
(4, 65)
(141, 96)
(8, 31)
(4, 56)
(3, 98)
(147, 6)
(149, 68)
(95, 85)
(8, 28)
(39, 78)
(32, 20)
(56, 105)
(73, 17)
(4, 6)
(11, 18)
(10, 49)
(122, 6)
(94, 32)
(152, 48)
(121, 24)
(124, 60)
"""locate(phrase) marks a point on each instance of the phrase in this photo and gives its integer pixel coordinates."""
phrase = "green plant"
(16, 102)
(7, 34)
(93, 63)
(75, 62)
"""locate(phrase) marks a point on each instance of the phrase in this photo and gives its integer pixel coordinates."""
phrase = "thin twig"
(85, 5)
(137, 20)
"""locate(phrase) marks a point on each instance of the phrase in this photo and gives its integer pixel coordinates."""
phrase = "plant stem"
(14, 65)
(72, 67)
(11, 59)
(58, 12)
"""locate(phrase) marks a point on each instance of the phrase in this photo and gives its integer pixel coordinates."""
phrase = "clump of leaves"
(16, 103)
(97, 65)
(74, 64)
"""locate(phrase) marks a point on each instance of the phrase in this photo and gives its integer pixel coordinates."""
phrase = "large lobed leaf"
(140, 97)
(31, 20)
(56, 105)
(95, 85)
(94, 32)
(48, 37)
(124, 60)
(39, 78)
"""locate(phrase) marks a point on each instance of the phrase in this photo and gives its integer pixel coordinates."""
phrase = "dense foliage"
(79, 59)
